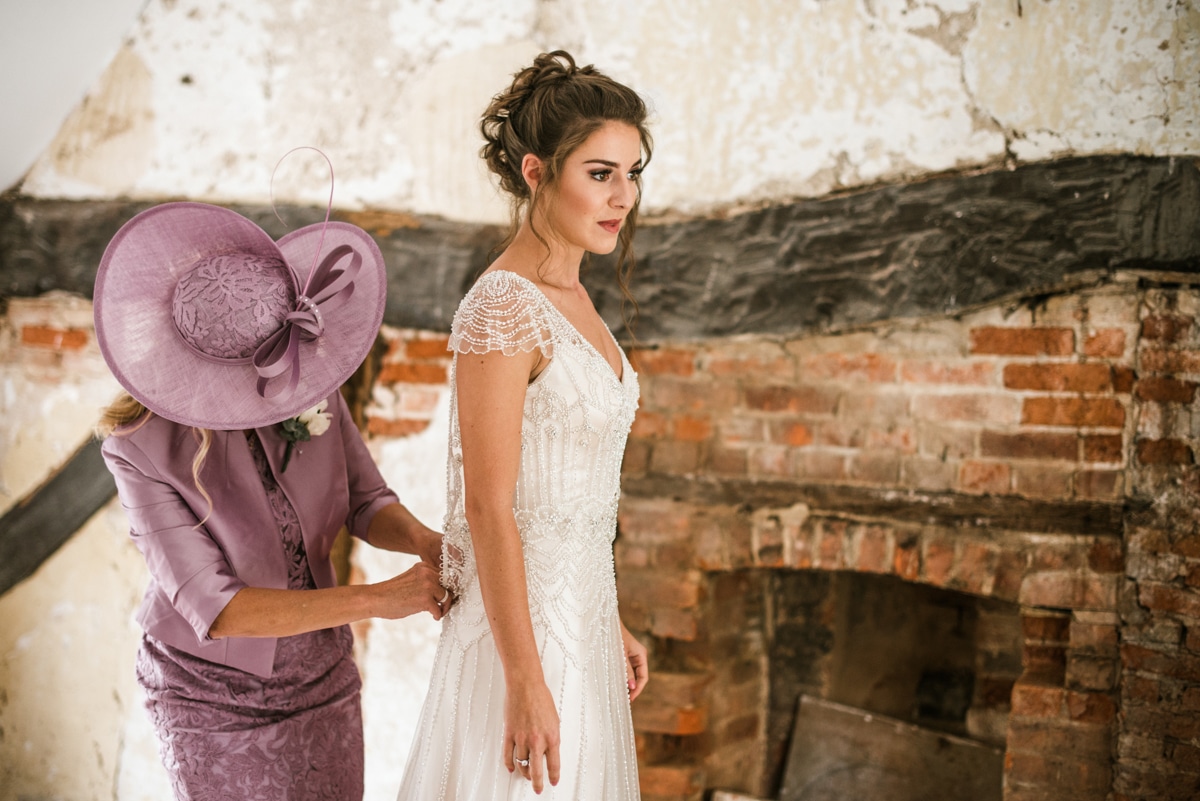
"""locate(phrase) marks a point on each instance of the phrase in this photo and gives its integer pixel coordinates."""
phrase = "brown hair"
(119, 418)
(549, 110)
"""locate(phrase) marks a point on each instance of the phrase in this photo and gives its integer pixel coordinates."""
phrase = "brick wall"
(1072, 414)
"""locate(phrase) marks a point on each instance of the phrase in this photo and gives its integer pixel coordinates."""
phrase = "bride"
(535, 672)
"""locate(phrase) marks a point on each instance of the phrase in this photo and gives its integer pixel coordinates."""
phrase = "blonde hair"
(126, 415)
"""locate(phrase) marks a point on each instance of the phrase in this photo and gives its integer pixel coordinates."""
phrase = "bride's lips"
(612, 226)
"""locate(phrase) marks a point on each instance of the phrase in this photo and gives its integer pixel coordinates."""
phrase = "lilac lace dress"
(227, 734)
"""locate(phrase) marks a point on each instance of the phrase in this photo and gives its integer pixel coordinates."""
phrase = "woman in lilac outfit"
(237, 463)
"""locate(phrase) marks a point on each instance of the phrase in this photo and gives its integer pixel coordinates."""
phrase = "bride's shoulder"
(502, 311)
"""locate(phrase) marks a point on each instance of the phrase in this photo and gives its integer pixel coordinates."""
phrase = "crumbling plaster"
(755, 101)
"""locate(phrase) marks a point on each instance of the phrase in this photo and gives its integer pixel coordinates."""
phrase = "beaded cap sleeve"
(500, 313)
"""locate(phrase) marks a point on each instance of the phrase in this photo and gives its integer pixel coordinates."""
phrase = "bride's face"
(596, 189)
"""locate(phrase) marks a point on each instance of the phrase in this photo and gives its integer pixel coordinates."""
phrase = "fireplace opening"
(943, 661)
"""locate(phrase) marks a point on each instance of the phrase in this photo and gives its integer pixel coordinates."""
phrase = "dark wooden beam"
(40, 523)
(937, 246)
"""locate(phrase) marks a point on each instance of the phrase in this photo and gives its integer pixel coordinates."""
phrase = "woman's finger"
(553, 764)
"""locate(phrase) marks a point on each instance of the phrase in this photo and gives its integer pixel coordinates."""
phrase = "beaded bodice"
(577, 417)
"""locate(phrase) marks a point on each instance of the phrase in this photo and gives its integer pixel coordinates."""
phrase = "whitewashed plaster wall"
(755, 101)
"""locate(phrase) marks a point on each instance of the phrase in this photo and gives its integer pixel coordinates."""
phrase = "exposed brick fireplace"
(1034, 462)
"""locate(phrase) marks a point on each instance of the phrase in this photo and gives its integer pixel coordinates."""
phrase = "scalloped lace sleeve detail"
(503, 312)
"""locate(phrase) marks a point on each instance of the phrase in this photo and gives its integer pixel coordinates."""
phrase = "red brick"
(1053, 778)
(940, 372)
(658, 588)
(1070, 590)
(1107, 342)
(872, 368)
(1172, 664)
(1054, 627)
(1166, 328)
(771, 460)
(938, 561)
(1161, 720)
(818, 465)
(44, 336)
(1107, 555)
(674, 781)
(874, 467)
(1035, 700)
(725, 461)
(1123, 379)
(976, 568)
(661, 718)
(973, 408)
(1168, 598)
(1023, 341)
(1165, 390)
(830, 539)
(806, 400)
(674, 457)
(1163, 451)
(1155, 360)
(1029, 445)
(648, 425)
(428, 348)
(745, 366)
(1059, 377)
(789, 432)
(874, 550)
(674, 624)
(1093, 638)
(1099, 484)
(1140, 688)
(1091, 707)
(899, 438)
(680, 394)
(385, 427)
(906, 563)
(1108, 448)
(1045, 480)
(637, 457)
(691, 429)
(413, 373)
(1079, 412)
(664, 361)
(1066, 740)
(985, 477)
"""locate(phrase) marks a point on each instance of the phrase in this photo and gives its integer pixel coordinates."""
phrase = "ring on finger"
(444, 597)
(522, 762)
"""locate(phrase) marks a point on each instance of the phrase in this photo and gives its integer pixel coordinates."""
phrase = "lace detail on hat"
(499, 313)
(228, 304)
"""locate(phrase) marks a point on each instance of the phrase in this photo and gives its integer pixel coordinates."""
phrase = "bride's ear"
(532, 169)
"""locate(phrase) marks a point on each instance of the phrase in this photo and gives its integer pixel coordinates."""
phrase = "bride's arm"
(491, 398)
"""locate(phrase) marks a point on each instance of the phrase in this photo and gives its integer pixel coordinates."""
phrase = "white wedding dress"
(576, 419)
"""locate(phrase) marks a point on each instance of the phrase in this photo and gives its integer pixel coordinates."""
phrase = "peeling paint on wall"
(754, 102)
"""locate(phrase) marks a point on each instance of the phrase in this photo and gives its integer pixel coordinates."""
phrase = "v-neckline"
(620, 379)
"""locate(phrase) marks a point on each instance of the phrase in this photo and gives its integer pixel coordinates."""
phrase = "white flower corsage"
(303, 427)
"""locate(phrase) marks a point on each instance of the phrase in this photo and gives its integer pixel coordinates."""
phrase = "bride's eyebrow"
(612, 164)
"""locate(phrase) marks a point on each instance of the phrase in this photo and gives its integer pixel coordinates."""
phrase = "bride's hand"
(531, 733)
(637, 663)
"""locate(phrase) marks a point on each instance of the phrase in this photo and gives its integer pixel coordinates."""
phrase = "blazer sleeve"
(183, 559)
(368, 491)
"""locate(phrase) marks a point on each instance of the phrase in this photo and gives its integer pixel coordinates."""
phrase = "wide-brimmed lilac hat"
(208, 322)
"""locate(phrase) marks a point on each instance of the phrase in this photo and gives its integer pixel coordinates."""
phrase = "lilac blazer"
(331, 481)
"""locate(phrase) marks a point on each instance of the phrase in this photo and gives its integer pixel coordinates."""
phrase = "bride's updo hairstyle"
(550, 109)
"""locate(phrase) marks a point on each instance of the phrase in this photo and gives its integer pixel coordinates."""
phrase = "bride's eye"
(601, 175)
